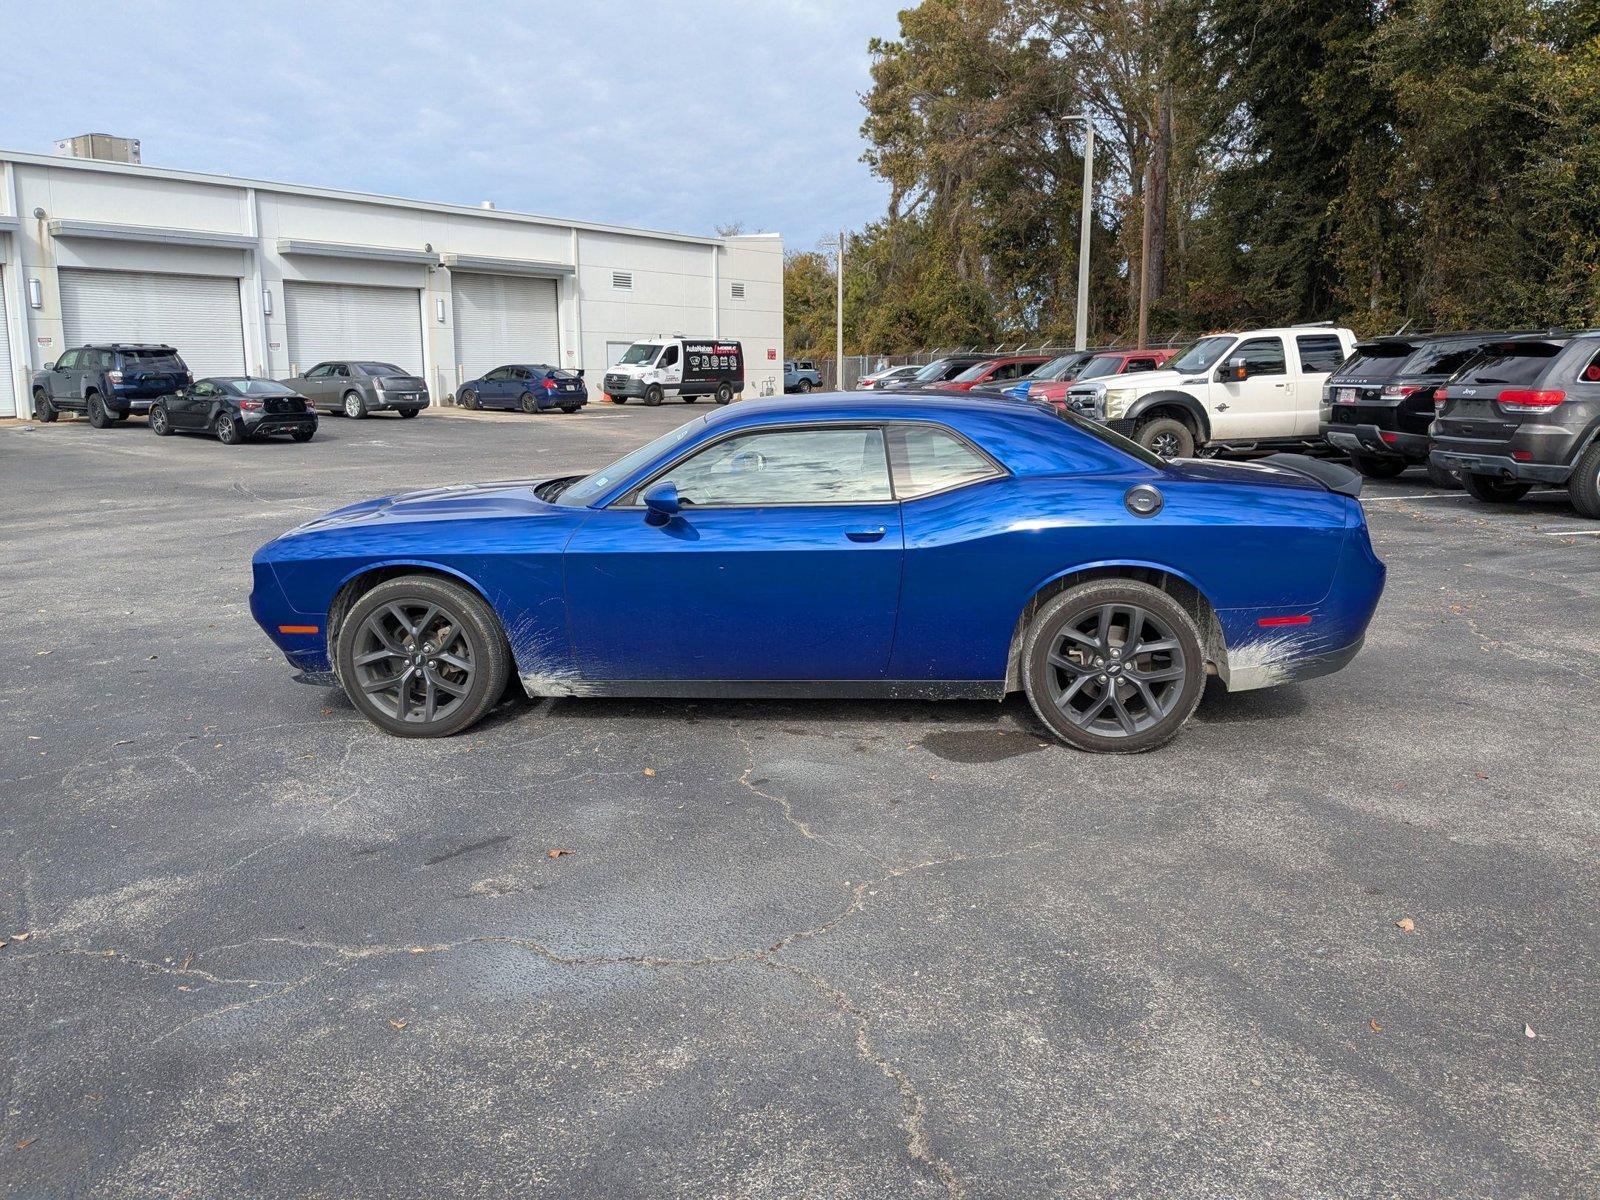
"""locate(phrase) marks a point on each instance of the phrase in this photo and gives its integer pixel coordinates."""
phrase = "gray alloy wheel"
(803, 386)
(43, 411)
(528, 404)
(469, 400)
(227, 430)
(99, 416)
(724, 392)
(354, 405)
(420, 656)
(160, 422)
(1584, 486)
(653, 395)
(1113, 665)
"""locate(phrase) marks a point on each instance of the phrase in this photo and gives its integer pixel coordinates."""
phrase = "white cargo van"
(685, 367)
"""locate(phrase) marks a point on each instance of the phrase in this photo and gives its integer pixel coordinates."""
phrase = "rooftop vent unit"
(102, 146)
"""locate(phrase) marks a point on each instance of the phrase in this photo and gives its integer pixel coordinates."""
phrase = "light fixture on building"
(266, 301)
(438, 308)
(35, 293)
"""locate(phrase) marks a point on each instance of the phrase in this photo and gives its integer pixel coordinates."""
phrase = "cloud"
(668, 115)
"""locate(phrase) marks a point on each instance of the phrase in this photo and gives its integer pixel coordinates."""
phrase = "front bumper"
(624, 385)
(1381, 443)
(301, 636)
(1501, 466)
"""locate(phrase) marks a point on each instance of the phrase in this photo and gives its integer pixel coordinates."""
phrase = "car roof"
(870, 406)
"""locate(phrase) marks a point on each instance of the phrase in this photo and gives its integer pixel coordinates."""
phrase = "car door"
(314, 384)
(671, 367)
(783, 563)
(1261, 405)
(63, 377)
(188, 411)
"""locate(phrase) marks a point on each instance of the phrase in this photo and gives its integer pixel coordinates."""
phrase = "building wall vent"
(622, 281)
(738, 291)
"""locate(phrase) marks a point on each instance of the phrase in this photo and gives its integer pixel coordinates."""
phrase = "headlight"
(1114, 401)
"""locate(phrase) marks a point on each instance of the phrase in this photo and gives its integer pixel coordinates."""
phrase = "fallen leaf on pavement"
(556, 853)
(1373, 1024)
(397, 1024)
(24, 1143)
(1527, 1032)
(187, 959)
(1405, 925)
(20, 937)
(649, 770)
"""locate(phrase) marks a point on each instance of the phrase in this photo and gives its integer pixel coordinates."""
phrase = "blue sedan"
(841, 545)
(532, 387)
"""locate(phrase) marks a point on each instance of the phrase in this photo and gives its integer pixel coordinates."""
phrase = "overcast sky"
(669, 115)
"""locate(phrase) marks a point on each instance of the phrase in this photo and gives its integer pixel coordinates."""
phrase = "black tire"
(527, 403)
(99, 415)
(724, 392)
(569, 409)
(1166, 436)
(462, 618)
(43, 411)
(469, 400)
(227, 430)
(803, 386)
(409, 412)
(616, 399)
(1584, 485)
(1491, 489)
(689, 399)
(1376, 467)
(160, 421)
(1073, 697)
(302, 435)
(653, 395)
(358, 408)
(1442, 476)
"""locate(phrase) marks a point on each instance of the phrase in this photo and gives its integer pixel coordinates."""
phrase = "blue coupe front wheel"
(1114, 666)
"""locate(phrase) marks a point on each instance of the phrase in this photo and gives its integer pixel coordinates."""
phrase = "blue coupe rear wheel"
(1114, 665)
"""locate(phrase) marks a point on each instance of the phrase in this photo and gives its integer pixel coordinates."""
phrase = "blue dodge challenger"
(843, 545)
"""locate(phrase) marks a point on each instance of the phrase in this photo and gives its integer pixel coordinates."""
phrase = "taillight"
(250, 405)
(1398, 391)
(1439, 397)
(549, 385)
(1525, 398)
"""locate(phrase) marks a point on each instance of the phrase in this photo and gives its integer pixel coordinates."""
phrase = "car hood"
(502, 498)
(1140, 379)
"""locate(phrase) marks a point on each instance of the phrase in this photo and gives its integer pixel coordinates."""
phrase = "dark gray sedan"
(356, 388)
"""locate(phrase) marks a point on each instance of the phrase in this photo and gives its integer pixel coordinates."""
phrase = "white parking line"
(1570, 532)
(1450, 496)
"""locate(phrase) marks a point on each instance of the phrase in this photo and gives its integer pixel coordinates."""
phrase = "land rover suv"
(109, 382)
(1525, 411)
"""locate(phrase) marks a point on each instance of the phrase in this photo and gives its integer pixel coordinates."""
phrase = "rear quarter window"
(1319, 352)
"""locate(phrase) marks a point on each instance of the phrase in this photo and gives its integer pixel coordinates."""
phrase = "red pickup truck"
(1108, 362)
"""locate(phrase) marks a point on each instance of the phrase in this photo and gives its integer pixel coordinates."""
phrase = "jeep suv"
(1526, 410)
(1379, 403)
(108, 382)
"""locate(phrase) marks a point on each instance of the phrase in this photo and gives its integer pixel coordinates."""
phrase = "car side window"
(927, 459)
(1319, 352)
(68, 361)
(1138, 364)
(788, 466)
(1264, 356)
(342, 371)
(1591, 372)
(670, 358)
(320, 371)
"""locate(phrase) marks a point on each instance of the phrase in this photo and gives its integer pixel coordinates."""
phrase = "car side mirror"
(660, 502)
(1238, 368)
(50, 366)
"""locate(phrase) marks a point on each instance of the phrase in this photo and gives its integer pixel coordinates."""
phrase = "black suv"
(109, 382)
(1379, 403)
(1524, 411)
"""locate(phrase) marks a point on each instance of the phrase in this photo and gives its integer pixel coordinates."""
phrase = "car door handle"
(872, 533)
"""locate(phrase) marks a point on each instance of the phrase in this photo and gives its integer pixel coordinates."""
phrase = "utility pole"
(1144, 254)
(1080, 340)
(838, 331)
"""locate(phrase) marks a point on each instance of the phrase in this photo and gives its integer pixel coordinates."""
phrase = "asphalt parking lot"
(796, 949)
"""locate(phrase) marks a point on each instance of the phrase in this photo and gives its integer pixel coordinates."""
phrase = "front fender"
(1172, 399)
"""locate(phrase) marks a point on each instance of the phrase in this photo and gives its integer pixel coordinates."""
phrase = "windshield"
(1099, 432)
(975, 371)
(376, 368)
(592, 486)
(1204, 354)
(1057, 368)
(640, 353)
(258, 387)
(151, 360)
(1106, 364)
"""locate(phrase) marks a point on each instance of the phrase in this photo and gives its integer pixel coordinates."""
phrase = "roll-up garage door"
(8, 381)
(338, 320)
(504, 319)
(197, 314)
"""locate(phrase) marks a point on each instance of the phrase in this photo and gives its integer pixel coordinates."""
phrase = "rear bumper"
(384, 403)
(1501, 466)
(279, 423)
(1383, 443)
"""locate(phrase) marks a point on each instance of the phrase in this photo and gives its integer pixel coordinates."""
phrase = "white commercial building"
(249, 277)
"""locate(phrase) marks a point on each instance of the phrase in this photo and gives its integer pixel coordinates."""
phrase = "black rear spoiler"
(1329, 474)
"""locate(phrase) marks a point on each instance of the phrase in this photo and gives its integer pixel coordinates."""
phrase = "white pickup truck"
(1258, 389)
